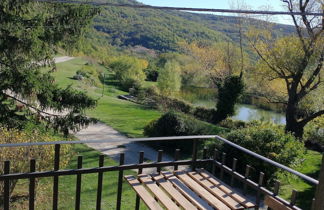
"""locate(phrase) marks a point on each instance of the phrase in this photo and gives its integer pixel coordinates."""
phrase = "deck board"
(187, 192)
(202, 192)
(143, 193)
(175, 194)
(221, 185)
(158, 193)
(221, 195)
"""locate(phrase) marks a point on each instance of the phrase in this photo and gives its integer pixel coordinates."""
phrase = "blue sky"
(223, 4)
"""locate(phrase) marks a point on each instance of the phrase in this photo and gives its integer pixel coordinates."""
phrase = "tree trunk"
(292, 124)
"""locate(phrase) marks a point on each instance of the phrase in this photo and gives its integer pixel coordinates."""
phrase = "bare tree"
(297, 61)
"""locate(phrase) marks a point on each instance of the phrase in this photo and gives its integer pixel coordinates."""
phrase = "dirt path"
(100, 131)
(62, 59)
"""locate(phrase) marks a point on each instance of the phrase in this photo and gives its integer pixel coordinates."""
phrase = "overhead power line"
(142, 6)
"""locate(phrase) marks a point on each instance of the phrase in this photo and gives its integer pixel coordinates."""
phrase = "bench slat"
(221, 185)
(201, 191)
(175, 194)
(159, 194)
(188, 193)
(143, 193)
(229, 201)
(275, 204)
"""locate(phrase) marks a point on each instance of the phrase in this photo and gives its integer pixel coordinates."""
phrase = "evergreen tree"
(30, 32)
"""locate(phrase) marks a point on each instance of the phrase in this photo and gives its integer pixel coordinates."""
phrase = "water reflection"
(248, 113)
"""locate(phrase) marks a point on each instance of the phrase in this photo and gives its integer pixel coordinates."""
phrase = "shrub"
(229, 92)
(177, 124)
(89, 74)
(314, 134)
(167, 103)
(19, 156)
(204, 114)
(169, 80)
(233, 124)
(267, 140)
(129, 70)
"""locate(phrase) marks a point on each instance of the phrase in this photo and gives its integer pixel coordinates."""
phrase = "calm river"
(247, 113)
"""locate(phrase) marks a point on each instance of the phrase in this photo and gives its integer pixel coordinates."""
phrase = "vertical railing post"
(140, 170)
(246, 177)
(6, 189)
(194, 154)
(32, 169)
(176, 158)
(258, 196)
(56, 178)
(215, 155)
(120, 181)
(159, 159)
(100, 178)
(319, 201)
(233, 170)
(78, 185)
(222, 167)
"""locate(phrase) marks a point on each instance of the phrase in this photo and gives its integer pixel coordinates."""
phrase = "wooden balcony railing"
(212, 163)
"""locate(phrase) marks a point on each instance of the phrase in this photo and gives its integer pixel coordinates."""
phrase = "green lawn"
(127, 117)
(89, 184)
(130, 119)
(67, 186)
(311, 167)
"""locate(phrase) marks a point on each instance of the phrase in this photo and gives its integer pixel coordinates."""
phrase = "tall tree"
(30, 32)
(295, 61)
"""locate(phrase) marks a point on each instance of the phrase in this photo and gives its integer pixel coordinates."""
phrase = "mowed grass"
(89, 183)
(306, 192)
(126, 117)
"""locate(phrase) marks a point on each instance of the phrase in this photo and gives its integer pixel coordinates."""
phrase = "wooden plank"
(273, 203)
(221, 195)
(143, 193)
(159, 194)
(221, 185)
(174, 193)
(189, 194)
(202, 192)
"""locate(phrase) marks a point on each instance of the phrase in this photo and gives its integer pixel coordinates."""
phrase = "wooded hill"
(161, 30)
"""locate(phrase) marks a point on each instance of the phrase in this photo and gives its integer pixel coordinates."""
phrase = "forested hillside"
(162, 30)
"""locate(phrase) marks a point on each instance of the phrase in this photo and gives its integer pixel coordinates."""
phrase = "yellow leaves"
(217, 60)
(20, 156)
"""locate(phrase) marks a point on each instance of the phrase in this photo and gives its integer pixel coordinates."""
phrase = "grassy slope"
(311, 167)
(130, 119)
(124, 116)
(89, 184)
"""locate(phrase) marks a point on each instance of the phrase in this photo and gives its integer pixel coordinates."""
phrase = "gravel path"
(62, 59)
(100, 131)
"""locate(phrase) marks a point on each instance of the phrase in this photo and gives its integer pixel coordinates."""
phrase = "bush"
(89, 74)
(129, 70)
(229, 92)
(177, 124)
(204, 114)
(267, 140)
(167, 103)
(233, 124)
(169, 80)
(314, 134)
(19, 156)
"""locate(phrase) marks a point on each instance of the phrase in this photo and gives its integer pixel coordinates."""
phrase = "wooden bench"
(274, 204)
(187, 190)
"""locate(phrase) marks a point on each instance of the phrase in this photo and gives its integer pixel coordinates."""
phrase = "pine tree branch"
(30, 106)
